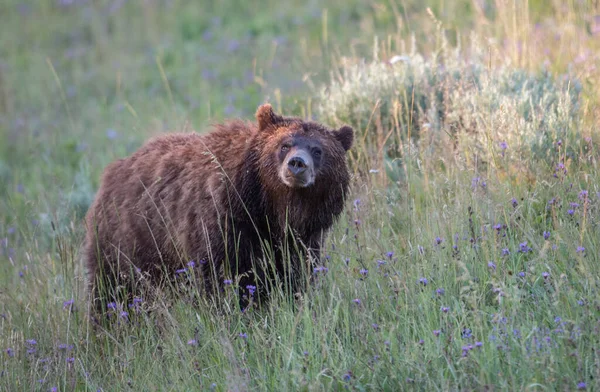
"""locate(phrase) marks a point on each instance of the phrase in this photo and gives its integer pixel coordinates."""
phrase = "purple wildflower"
(523, 248)
(421, 342)
(498, 227)
(574, 205)
(364, 272)
(318, 269)
(111, 305)
(545, 275)
(581, 385)
(465, 351)
(423, 281)
(227, 282)
(375, 326)
(124, 315)
(251, 289)
(356, 301)
(243, 335)
(181, 271)
(546, 235)
(505, 252)
(438, 240)
(514, 202)
(570, 212)
(390, 255)
(583, 195)
(191, 264)
(503, 146)
(436, 332)
(467, 333)
(67, 304)
(580, 249)
(192, 342)
(421, 249)
(10, 352)
(347, 376)
(32, 342)
(70, 360)
(492, 265)
(522, 274)
(381, 263)
(445, 309)
(478, 344)
(357, 203)
(440, 291)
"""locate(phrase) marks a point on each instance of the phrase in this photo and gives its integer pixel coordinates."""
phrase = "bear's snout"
(297, 165)
(298, 169)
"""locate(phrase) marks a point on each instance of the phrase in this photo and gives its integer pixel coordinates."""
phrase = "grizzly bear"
(227, 203)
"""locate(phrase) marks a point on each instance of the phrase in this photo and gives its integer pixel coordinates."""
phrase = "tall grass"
(468, 255)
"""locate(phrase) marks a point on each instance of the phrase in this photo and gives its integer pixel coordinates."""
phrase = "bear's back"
(160, 194)
(192, 156)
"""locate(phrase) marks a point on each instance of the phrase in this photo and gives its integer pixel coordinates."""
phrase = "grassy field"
(468, 257)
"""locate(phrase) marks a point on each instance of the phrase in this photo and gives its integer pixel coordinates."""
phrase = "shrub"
(425, 105)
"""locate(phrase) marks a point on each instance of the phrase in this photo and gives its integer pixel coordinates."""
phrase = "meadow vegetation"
(468, 256)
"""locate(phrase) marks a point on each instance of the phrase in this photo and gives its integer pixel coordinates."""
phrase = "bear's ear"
(345, 135)
(266, 117)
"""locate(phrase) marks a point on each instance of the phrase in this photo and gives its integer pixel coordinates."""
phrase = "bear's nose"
(297, 165)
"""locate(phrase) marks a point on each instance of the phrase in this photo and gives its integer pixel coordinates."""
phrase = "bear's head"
(301, 154)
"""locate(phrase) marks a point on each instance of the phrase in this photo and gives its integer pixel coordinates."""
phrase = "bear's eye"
(285, 148)
(317, 152)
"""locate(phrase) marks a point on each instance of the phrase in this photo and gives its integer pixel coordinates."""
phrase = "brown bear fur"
(215, 199)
